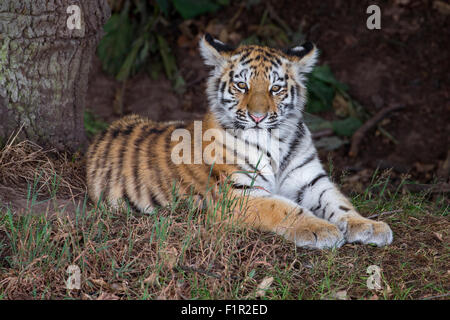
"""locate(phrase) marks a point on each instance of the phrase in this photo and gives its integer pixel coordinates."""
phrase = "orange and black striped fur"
(256, 97)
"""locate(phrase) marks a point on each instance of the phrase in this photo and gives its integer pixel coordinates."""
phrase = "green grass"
(176, 252)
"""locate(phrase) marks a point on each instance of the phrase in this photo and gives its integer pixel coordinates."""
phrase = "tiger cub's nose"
(257, 117)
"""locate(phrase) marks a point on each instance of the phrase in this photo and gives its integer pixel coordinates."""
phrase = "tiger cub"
(256, 97)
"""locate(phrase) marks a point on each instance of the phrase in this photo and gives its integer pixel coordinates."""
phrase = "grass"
(178, 253)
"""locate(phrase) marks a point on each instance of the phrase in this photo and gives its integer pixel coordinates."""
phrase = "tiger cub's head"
(257, 87)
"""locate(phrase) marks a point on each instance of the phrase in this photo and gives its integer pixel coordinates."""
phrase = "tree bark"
(44, 68)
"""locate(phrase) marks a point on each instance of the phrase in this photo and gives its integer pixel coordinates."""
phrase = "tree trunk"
(44, 68)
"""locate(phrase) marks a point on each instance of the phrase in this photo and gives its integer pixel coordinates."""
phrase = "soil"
(405, 62)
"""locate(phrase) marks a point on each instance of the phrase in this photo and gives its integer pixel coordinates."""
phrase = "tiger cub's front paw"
(362, 230)
(317, 233)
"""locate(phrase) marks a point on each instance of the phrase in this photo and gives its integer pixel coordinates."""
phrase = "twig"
(434, 297)
(118, 104)
(195, 81)
(384, 213)
(361, 132)
(205, 272)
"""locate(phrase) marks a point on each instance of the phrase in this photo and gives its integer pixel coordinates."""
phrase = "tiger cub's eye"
(275, 89)
(242, 85)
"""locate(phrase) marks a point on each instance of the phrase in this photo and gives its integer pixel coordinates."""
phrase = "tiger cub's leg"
(286, 218)
(325, 201)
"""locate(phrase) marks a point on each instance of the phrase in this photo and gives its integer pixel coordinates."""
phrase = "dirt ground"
(404, 63)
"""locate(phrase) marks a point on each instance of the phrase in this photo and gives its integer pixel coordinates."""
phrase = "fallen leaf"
(403, 246)
(423, 167)
(341, 295)
(152, 279)
(387, 290)
(118, 287)
(442, 7)
(223, 35)
(85, 296)
(264, 286)
(438, 236)
(100, 282)
(340, 105)
(170, 257)
(107, 296)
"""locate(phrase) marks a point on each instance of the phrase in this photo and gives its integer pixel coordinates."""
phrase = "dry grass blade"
(25, 163)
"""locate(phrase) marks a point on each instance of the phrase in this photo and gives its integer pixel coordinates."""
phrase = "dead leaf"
(443, 170)
(107, 296)
(423, 167)
(223, 35)
(264, 286)
(340, 105)
(234, 37)
(442, 7)
(118, 287)
(99, 282)
(169, 257)
(341, 295)
(85, 296)
(387, 290)
(438, 236)
(214, 28)
(152, 279)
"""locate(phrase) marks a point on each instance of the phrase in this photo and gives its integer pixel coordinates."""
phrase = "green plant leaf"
(168, 59)
(192, 8)
(329, 143)
(320, 95)
(92, 124)
(324, 74)
(115, 45)
(127, 67)
(179, 85)
(164, 5)
(316, 123)
(314, 105)
(346, 127)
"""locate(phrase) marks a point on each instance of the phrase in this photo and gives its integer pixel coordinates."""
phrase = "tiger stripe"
(288, 191)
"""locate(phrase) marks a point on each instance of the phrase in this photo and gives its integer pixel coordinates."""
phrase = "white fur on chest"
(263, 151)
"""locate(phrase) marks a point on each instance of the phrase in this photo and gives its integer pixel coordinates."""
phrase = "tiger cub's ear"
(214, 52)
(304, 56)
